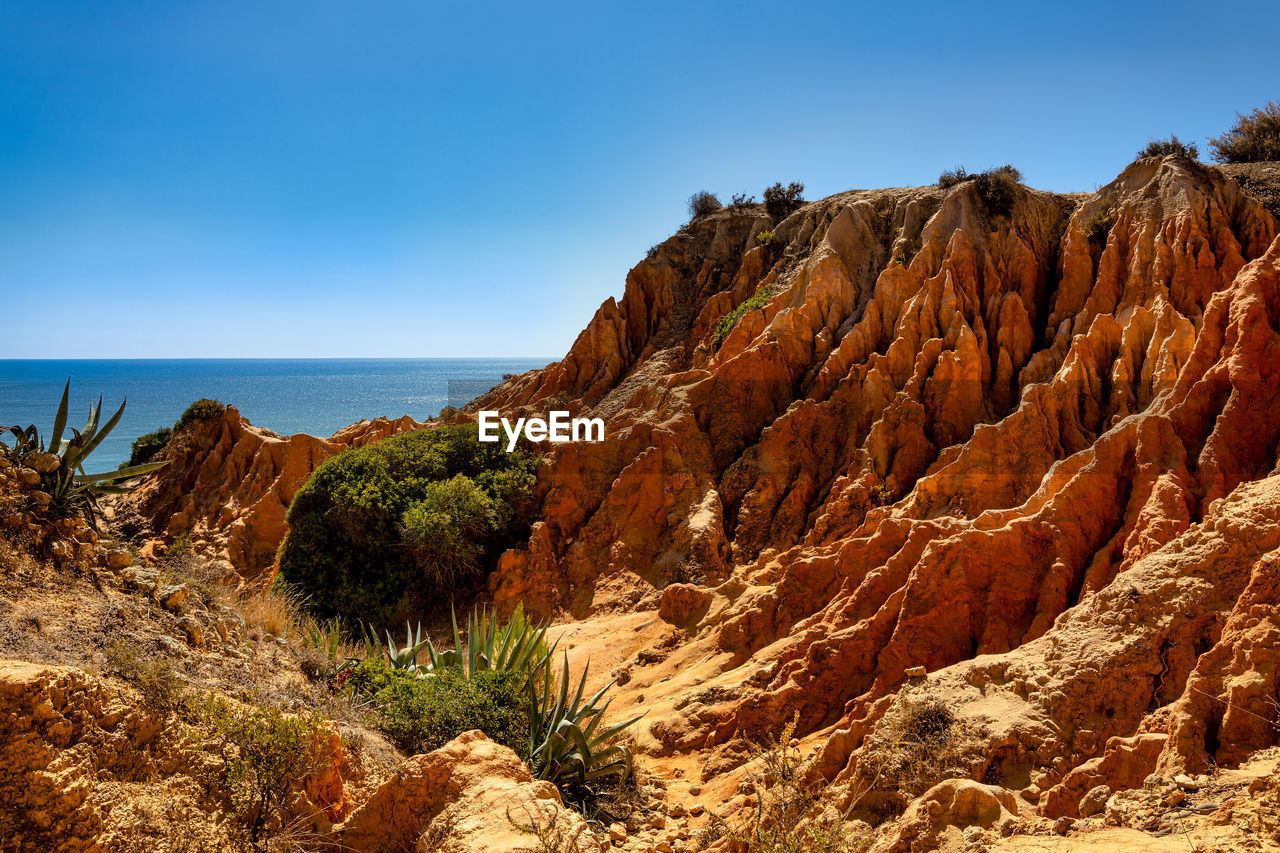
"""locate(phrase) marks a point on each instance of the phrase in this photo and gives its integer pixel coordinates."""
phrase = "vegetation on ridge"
(780, 201)
(702, 202)
(1172, 145)
(1253, 138)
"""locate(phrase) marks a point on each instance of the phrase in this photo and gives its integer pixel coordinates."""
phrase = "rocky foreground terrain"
(1021, 462)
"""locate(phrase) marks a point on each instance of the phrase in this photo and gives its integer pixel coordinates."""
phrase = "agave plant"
(327, 638)
(398, 657)
(567, 741)
(517, 646)
(71, 489)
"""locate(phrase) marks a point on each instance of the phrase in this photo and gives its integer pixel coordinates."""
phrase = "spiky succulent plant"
(516, 646)
(61, 463)
(568, 741)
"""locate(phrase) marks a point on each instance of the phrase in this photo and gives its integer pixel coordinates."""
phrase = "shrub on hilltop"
(701, 203)
(779, 201)
(400, 525)
(1172, 145)
(200, 410)
(998, 187)
(1254, 138)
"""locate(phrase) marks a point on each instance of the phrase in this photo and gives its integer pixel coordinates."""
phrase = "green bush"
(701, 203)
(759, 299)
(1254, 138)
(398, 526)
(780, 201)
(1172, 145)
(145, 447)
(265, 753)
(764, 237)
(421, 714)
(200, 410)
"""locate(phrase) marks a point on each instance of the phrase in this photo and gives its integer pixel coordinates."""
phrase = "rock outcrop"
(1030, 452)
(469, 796)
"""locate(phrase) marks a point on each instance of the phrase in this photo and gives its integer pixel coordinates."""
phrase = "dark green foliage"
(397, 526)
(265, 753)
(702, 202)
(1254, 138)
(759, 299)
(780, 201)
(421, 714)
(998, 189)
(200, 410)
(145, 447)
(1172, 145)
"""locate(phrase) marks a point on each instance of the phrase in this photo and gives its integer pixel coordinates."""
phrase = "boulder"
(469, 796)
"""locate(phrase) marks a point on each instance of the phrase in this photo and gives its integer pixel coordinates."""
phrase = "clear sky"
(433, 178)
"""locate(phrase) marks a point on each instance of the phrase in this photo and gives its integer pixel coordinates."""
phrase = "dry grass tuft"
(917, 744)
(795, 812)
(153, 676)
(272, 612)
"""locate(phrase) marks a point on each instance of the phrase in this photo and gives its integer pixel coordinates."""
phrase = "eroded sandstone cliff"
(1033, 452)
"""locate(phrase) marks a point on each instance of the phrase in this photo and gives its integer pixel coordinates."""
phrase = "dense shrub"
(780, 201)
(1254, 138)
(759, 299)
(998, 189)
(146, 447)
(702, 202)
(1172, 145)
(421, 714)
(200, 410)
(396, 526)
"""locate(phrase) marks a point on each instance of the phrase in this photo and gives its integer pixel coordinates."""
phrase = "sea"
(316, 396)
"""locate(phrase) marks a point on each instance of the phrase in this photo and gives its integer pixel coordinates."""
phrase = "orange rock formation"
(1034, 453)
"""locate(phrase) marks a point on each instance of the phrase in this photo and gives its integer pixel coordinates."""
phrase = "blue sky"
(434, 178)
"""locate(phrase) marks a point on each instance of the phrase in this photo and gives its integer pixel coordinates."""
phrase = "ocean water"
(317, 396)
